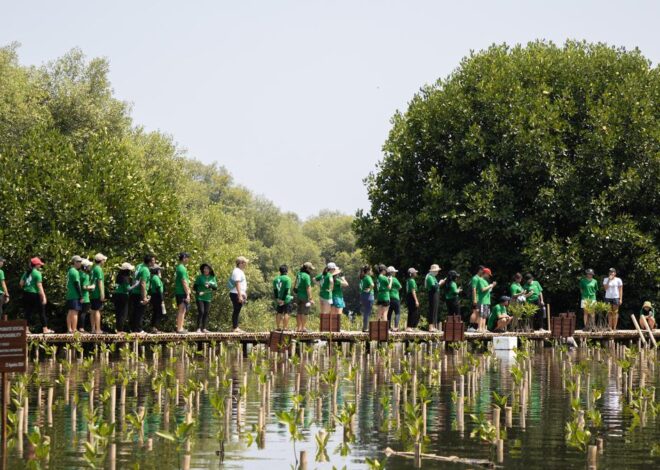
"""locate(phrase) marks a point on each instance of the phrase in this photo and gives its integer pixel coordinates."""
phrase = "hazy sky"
(295, 97)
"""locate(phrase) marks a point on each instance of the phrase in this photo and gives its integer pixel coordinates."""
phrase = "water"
(540, 443)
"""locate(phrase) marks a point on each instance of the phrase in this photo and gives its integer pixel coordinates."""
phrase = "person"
(395, 299)
(452, 293)
(156, 298)
(647, 315)
(588, 288)
(4, 292)
(613, 286)
(139, 295)
(325, 280)
(534, 294)
(484, 289)
(283, 298)
(87, 287)
(474, 287)
(433, 289)
(34, 296)
(338, 283)
(516, 290)
(97, 295)
(366, 295)
(205, 284)
(182, 291)
(74, 294)
(120, 295)
(303, 289)
(412, 302)
(238, 291)
(499, 318)
(383, 286)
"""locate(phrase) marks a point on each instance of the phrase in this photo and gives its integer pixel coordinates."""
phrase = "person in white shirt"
(613, 286)
(238, 290)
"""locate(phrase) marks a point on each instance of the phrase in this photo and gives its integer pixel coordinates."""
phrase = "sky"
(295, 98)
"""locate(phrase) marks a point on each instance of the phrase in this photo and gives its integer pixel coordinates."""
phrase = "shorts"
(284, 309)
(97, 304)
(303, 308)
(615, 302)
(74, 304)
(181, 299)
(326, 302)
(383, 303)
(338, 302)
(484, 311)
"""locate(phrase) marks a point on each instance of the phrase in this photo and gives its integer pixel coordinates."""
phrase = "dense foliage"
(539, 158)
(78, 177)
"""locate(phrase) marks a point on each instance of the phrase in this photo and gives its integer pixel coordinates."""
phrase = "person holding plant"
(412, 302)
(452, 293)
(34, 296)
(156, 298)
(516, 290)
(97, 295)
(534, 293)
(484, 290)
(139, 294)
(74, 294)
(338, 283)
(588, 288)
(87, 287)
(303, 289)
(499, 318)
(205, 284)
(647, 315)
(4, 292)
(432, 286)
(474, 294)
(395, 300)
(613, 286)
(238, 291)
(383, 285)
(120, 295)
(182, 291)
(366, 295)
(283, 298)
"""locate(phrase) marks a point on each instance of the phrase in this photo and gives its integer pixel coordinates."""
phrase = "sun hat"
(392, 269)
(308, 265)
(76, 259)
(98, 257)
(434, 268)
(241, 259)
(488, 271)
(36, 262)
(412, 271)
(126, 267)
(331, 266)
(647, 304)
(86, 263)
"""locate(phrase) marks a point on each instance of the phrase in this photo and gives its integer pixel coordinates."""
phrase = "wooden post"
(592, 456)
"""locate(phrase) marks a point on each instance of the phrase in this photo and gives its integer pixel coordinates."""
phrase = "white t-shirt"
(612, 289)
(238, 276)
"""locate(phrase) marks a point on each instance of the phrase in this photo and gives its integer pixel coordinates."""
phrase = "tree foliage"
(539, 158)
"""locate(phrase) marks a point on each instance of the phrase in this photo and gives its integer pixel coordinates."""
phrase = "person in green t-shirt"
(120, 295)
(383, 286)
(139, 294)
(74, 294)
(499, 319)
(204, 285)
(156, 298)
(412, 302)
(516, 291)
(366, 295)
(484, 289)
(283, 298)
(534, 293)
(4, 292)
(325, 279)
(474, 285)
(432, 286)
(452, 293)
(34, 296)
(303, 290)
(87, 287)
(395, 300)
(588, 289)
(647, 316)
(182, 291)
(97, 296)
(338, 284)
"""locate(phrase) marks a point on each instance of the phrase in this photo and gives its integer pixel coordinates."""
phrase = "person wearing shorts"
(303, 290)
(484, 289)
(283, 298)
(182, 291)
(338, 283)
(613, 286)
(97, 296)
(588, 288)
(74, 294)
(473, 322)
(384, 285)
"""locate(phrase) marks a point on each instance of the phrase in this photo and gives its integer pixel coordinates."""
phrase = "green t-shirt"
(303, 281)
(383, 293)
(180, 274)
(431, 282)
(201, 291)
(85, 281)
(325, 285)
(2, 278)
(588, 288)
(451, 290)
(337, 292)
(474, 284)
(394, 290)
(123, 287)
(411, 285)
(483, 297)
(516, 290)
(535, 288)
(498, 311)
(155, 285)
(142, 273)
(282, 288)
(366, 284)
(97, 279)
(72, 284)
(31, 282)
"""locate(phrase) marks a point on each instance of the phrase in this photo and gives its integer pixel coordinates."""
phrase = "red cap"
(488, 271)
(36, 262)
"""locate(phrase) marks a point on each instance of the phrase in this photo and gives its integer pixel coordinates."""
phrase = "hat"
(241, 259)
(589, 271)
(308, 265)
(412, 271)
(488, 271)
(86, 263)
(434, 268)
(392, 269)
(331, 266)
(76, 259)
(127, 267)
(36, 262)
(98, 257)
(612, 270)
(647, 304)
(505, 298)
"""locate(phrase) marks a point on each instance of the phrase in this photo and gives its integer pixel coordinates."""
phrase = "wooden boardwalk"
(339, 337)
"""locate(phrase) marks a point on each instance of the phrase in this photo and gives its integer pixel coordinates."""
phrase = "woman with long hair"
(34, 296)
(366, 295)
(384, 284)
(452, 293)
(205, 284)
(338, 283)
(303, 291)
(120, 295)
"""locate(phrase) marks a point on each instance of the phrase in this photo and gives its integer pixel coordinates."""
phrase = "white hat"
(392, 269)
(100, 257)
(331, 266)
(76, 259)
(86, 263)
(434, 268)
(412, 271)
(127, 267)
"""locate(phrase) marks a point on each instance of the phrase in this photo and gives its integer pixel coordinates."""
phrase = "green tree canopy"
(539, 158)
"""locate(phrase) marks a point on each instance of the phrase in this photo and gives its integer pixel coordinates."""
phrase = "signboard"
(13, 346)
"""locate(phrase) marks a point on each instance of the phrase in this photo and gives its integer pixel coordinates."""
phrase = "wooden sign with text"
(13, 346)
